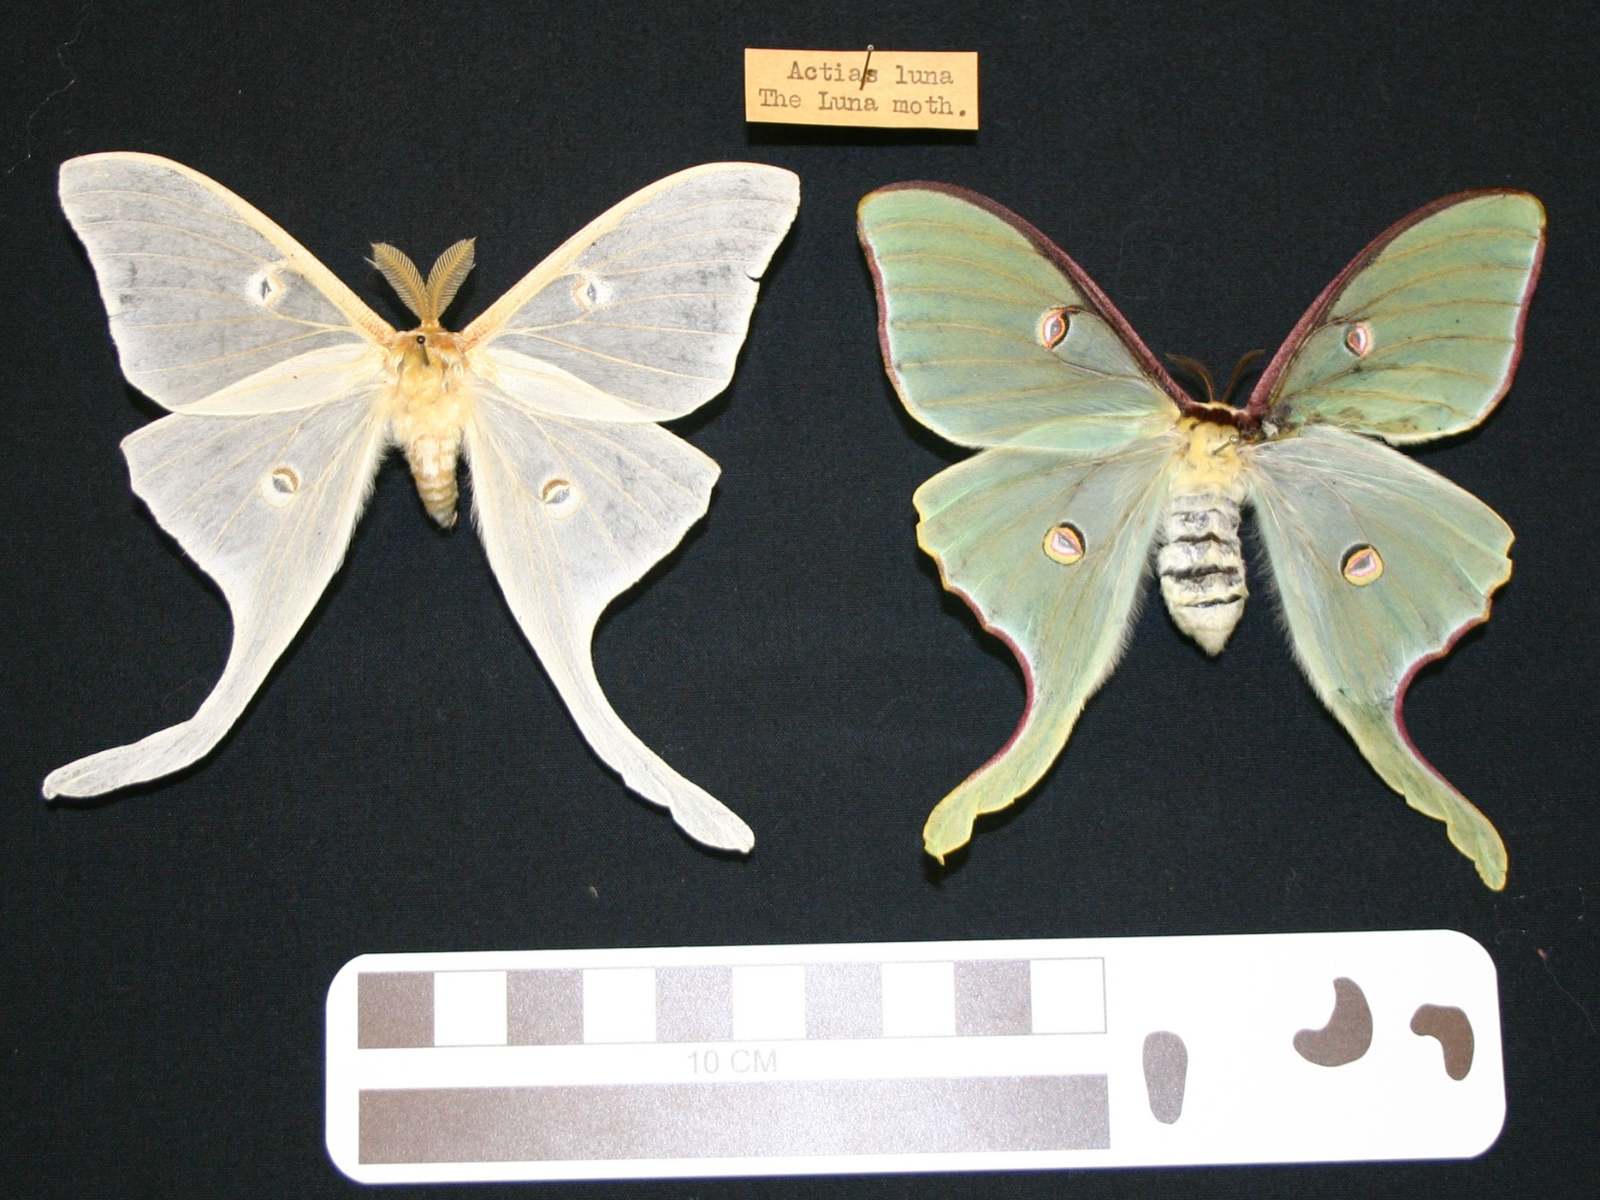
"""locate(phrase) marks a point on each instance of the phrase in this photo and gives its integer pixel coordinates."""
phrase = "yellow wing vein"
(565, 453)
(162, 198)
(541, 530)
(989, 329)
(649, 328)
(1353, 393)
(621, 255)
(923, 255)
(688, 262)
(654, 296)
(1389, 256)
(941, 362)
(204, 362)
(179, 229)
(615, 358)
(964, 293)
(213, 321)
(1390, 313)
(965, 232)
(636, 457)
(1425, 277)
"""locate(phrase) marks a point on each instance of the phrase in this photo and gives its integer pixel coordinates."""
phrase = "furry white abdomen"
(433, 467)
(1201, 565)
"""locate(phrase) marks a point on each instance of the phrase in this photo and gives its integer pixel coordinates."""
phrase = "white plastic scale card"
(913, 1056)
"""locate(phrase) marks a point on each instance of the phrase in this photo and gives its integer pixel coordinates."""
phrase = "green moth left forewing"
(1419, 336)
(967, 295)
(1091, 454)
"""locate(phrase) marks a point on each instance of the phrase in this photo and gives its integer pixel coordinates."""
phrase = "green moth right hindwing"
(1092, 459)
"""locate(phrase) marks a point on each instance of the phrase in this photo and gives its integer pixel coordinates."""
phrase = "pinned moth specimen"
(1092, 456)
(286, 392)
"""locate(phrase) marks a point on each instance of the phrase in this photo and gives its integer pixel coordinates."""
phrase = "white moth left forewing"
(649, 303)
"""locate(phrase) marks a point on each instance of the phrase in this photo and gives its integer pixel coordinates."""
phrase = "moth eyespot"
(560, 498)
(280, 485)
(265, 287)
(1361, 565)
(1064, 544)
(1358, 339)
(588, 290)
(1053, 327)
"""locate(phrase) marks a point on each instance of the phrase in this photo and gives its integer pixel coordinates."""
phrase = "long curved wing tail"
(571, 514)
(1380, 565)
(266, 506)
(1382, 739)
(1049, 549)
(571, 668)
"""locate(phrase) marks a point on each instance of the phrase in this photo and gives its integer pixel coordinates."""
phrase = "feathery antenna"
(1195, 369)
(403, 277)
(449, 272)
(427, 300)
(1239, 370)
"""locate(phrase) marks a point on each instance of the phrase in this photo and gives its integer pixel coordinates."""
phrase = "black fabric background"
(407, 780)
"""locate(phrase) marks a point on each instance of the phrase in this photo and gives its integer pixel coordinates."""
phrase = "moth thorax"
(1201, 566)
(425, 361)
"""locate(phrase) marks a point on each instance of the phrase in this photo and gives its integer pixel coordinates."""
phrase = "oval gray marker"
(1454, 1031)
(1166, 1067)
(1347, 1034)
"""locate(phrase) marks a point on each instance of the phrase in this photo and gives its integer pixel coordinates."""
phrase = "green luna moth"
(1091, 456)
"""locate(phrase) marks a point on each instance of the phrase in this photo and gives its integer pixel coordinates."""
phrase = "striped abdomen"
(1202, 566)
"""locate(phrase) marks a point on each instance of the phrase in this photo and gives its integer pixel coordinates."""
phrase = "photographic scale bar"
(913, 1056)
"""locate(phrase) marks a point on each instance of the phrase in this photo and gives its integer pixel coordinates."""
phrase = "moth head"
(426, 356)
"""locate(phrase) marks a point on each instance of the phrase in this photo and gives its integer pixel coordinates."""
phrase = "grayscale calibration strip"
(933, 1056)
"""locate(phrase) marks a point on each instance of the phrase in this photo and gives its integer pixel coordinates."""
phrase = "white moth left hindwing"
(1091, 457)
(286, 391)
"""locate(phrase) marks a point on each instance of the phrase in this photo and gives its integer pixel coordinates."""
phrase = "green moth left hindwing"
(1092, 457)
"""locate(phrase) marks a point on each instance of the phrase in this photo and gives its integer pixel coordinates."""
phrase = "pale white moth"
(286, 392)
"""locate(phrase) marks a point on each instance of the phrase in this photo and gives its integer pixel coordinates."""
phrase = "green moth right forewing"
(990, 521)
(1380, 564)
(1418, 338)
(985, 335)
